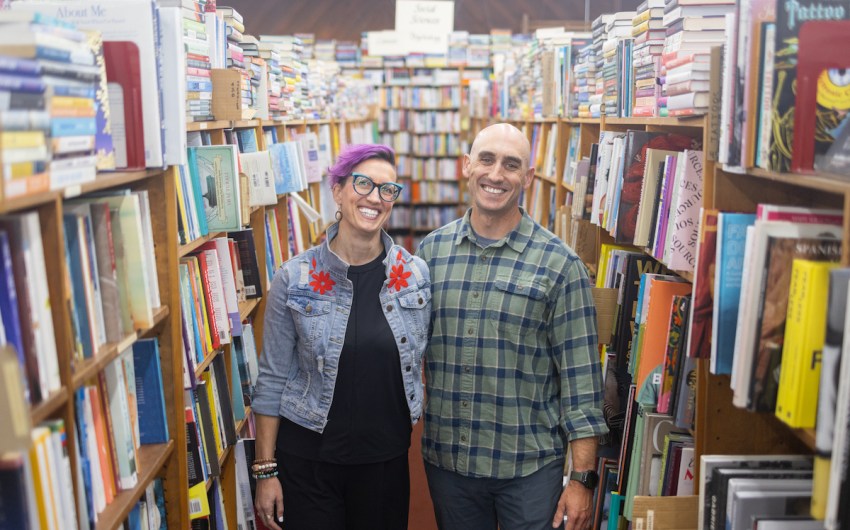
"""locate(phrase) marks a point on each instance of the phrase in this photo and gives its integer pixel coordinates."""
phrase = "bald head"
(503, 132)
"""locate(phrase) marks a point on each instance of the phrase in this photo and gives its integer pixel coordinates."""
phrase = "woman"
(340, 386)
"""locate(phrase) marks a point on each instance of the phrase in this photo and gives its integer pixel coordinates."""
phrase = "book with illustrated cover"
(701, 314)
(774, 309)
(788, 23)
(216, 167)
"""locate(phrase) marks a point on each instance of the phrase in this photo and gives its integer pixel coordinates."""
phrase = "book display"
(160, 163)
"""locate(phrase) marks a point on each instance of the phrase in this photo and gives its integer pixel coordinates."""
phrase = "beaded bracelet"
(265, 460)
(259, 476)
(260, 467)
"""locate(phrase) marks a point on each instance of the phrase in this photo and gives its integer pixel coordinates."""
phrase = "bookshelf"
(719, 426)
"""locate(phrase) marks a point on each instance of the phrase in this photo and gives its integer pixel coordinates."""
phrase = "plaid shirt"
(512, 370)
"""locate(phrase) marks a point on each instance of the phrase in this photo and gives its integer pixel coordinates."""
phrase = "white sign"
(387, 42)
(425, 25)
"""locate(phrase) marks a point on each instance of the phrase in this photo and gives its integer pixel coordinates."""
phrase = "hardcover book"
(217, 173)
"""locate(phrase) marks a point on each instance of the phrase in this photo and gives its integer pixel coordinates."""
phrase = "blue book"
(75, 248)
(73, 127)
(196, 190)
(150, 399)
(247, 139)
(731, 242)
(14, 508)
(21, 83)
(134, 518)
(19, 65)
(82, 445)
(9, 305)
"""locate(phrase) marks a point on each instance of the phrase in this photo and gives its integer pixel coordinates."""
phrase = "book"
(796, 397)
(217, 172)
(150, 397)
(701, 316)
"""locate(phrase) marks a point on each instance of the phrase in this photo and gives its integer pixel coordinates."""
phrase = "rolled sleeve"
(277, 359)
(574, 341)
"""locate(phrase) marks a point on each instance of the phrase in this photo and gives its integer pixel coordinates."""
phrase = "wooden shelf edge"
(107, 353)
(151, 459)
(243, 421)
(104, 180)
(159, 315)
(248, 307)
(207, 361)
(49, 406)
(814, 181)
(192, 246)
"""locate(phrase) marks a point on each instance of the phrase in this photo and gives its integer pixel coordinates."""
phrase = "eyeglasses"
(363, 185)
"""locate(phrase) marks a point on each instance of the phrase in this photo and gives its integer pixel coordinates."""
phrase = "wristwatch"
(588, 479)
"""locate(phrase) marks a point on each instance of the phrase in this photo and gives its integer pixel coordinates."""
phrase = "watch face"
(591, 479)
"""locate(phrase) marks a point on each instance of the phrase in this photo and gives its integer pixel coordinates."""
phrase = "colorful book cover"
(667, 184)
(788, 22)
(797, 396)
(774, 308)
(150, 397)
(699, 337)
(218, 176)
(673, 355)
(685, 214)
(731, 237)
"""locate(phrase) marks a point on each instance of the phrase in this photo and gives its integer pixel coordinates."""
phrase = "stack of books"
(692, 29)
(478, 50)
(200, 38)
(648, 32)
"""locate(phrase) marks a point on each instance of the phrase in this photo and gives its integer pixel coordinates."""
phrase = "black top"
(369, 420)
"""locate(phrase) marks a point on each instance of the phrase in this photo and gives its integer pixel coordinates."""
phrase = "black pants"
(321, 496)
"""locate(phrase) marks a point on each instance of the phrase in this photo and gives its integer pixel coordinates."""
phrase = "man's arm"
(576, 500)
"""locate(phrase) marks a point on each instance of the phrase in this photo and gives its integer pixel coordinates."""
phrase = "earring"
(338, 214)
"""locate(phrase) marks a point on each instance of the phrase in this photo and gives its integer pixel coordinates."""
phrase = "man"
(512, 369)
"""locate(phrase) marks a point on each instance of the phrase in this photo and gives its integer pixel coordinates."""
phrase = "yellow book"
(640, 18)
(805, 332)
(42, 480)
(199, 505)
(21, 139)
(604, 255)
(214, 414)
(200, 303)
(181, 210)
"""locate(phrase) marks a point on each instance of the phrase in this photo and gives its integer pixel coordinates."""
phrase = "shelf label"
(424, 26)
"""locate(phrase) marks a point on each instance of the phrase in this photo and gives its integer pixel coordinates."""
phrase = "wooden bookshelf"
(192, 246)
(50, 406)
(151, 460)
(247, 308)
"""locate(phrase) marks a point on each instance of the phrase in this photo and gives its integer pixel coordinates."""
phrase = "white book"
(748, 497)
(48, 363)
(228, 283)
(43, 466)
(258, 167)
(122, 431)
(841, 437)
(213, 278)
(686, 473)
(120, 20)
(173, 87)
(674, 200)
(613, 172)
(728, 99)
(250, 349)
(149, 249)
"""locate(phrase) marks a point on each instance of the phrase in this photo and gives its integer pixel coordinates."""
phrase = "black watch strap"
(589, 479)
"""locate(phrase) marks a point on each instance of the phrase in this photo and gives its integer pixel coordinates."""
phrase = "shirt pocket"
(416, 312)
(516, 306)
(311, 316)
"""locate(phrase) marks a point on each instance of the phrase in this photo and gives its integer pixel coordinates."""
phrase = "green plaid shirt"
(512, 369)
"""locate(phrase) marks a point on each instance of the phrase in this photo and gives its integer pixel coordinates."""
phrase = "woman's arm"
(269, 495)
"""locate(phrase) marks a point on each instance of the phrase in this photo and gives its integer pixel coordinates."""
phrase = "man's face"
(497, 170)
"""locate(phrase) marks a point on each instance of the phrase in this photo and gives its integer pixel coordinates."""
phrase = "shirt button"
(470, 331)
(421, 301)
(309, 309)
(475, 294)
(483, 258)
(389, 307)
(463, 438)
(408, 368)
(403, 340)
(466, 403)
(467, 369)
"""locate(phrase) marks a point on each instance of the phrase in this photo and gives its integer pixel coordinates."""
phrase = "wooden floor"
(421, 509)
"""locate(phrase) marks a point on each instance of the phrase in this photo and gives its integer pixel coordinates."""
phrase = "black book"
(205, 421)
(591, 182)
(248, 259)
(224, 401)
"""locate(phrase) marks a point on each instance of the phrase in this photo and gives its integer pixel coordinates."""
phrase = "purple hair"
(353, 155)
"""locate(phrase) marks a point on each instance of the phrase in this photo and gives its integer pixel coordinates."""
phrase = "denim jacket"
(306, 317)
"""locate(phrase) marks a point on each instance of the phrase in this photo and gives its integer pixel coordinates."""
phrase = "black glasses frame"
(393, 187)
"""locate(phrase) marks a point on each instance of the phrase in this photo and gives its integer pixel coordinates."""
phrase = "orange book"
(657, 322)
(106, 470)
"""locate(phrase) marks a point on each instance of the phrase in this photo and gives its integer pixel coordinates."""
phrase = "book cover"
(228, 281)
(701, 315)
(676, 334)
(218, 175)
(685, 214)
(731, 237)
(797, 395)
(122, 431)
(647, 206)
(213, 298)
(106, 268)
(788, 22)
(774, 308)
(244, 239)
(668, 182)
(206, 425)
(153, 424)
(225, 406)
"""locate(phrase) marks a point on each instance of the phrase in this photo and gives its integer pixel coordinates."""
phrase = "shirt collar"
(517, 239)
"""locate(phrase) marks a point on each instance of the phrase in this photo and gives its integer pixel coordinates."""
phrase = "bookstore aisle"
(160, 163)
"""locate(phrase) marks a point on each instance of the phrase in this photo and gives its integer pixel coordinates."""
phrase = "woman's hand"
(269, 502)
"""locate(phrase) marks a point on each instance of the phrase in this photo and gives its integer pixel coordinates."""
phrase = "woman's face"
(365, 213)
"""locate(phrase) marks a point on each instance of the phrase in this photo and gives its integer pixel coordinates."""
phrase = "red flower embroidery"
(399, 257)
(398, 277)
(322, 282)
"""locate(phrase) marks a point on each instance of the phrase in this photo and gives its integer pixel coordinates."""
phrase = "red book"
(123, 67)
